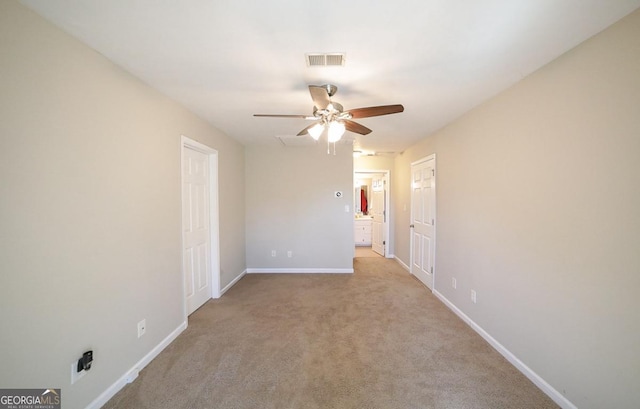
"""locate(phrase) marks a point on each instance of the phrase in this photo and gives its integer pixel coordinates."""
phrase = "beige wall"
(538, 198)
(90, 210)
(291, 206)
(373, 163)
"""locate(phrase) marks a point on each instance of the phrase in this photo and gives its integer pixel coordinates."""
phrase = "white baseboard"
(406, 267)
(299, 270)
(232, 283)
(557, 397)
(132, 373)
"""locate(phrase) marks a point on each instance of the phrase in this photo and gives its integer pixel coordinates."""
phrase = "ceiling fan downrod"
(331, 89)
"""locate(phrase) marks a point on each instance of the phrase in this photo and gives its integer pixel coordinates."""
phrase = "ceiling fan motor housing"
(331, 89)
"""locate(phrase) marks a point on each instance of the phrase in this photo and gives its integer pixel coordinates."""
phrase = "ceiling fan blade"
(320, 96)
(282, 116)
(375, 111)
(356, 127)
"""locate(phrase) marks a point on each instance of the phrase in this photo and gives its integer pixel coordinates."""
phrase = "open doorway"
(371, 203)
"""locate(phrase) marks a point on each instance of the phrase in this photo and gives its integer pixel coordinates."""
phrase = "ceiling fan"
(331, 116)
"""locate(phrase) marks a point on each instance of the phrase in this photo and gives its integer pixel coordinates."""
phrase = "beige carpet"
(374, 339)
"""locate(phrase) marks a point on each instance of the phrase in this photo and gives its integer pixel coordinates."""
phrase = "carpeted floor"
(373, 339)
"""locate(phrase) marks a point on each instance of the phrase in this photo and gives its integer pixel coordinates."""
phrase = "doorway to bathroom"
(371, 203)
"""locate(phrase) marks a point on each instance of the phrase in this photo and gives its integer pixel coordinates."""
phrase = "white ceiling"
(228, 59)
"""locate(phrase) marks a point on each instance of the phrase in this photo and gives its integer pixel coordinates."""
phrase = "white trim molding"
(299, 270)
(232, 283)
(132, 373)
(402, 263)
(557, 397)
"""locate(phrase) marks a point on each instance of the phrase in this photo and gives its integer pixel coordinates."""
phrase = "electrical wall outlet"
(454, 283)
(273, 253)
(473, 296)
(142, 328)
(289, 253)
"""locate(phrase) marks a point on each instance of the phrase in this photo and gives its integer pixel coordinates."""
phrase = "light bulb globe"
(336, 130)
(315, 131)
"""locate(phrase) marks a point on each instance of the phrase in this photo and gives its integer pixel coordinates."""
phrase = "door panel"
(416, 252)
(378, 213)
(188, 272)
(203, 271)
(426, 255)
(196, 229)
(423, 220)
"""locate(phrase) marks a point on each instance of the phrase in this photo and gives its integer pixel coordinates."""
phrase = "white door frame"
(435, 224)
(214, 217)
(387, 205)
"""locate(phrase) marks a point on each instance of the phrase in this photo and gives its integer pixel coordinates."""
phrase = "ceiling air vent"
(325, 60)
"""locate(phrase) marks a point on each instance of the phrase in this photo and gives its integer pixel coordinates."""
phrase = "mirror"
(362, 187)
(361, 197)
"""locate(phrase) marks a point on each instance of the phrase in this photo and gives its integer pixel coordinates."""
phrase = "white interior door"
(377, 211)
(196, 229)
(423, 220)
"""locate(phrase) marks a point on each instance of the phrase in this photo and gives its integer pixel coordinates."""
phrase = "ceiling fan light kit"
(336, 130)
(331, 115)
(316, 130)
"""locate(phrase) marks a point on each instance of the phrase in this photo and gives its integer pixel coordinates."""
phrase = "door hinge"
(384, 242)
(431, 270)
(433, 222)
(433, 172)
